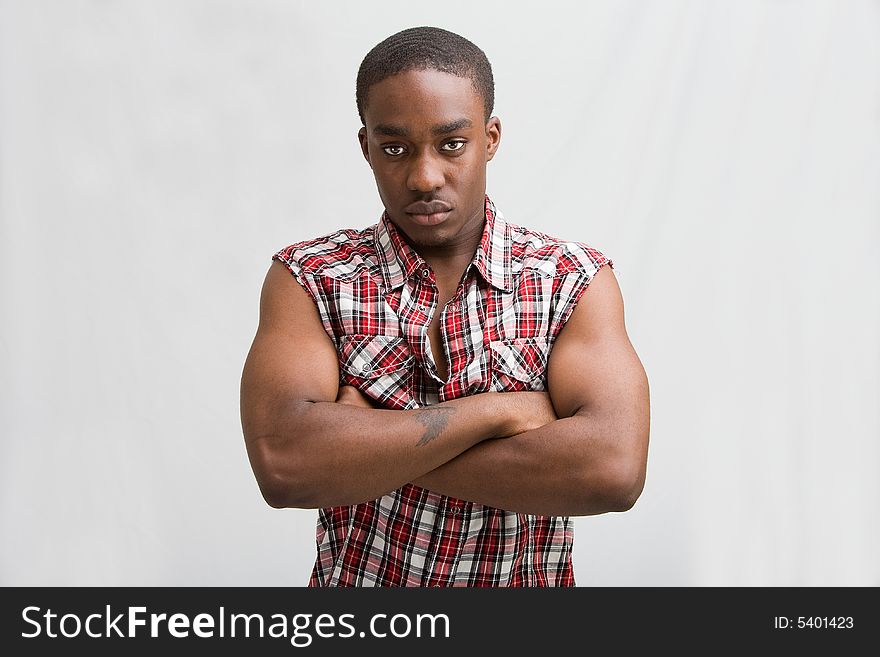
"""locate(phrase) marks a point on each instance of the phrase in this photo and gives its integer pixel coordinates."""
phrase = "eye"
(452, 146)
(393, 150)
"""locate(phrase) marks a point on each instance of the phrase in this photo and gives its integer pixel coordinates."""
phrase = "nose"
(425, 174)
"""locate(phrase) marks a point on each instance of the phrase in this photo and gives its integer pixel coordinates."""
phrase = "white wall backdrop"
(153, 155)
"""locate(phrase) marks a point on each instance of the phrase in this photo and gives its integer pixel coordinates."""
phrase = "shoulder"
(566, 269)
(339, 252)
(553, 256)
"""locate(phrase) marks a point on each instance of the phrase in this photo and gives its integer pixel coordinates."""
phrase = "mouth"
(428, 214)
(431, 219)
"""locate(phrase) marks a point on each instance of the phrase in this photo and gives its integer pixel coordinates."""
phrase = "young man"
(441, 385)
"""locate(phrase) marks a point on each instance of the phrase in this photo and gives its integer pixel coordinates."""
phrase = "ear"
(362, 138)
(493, 137)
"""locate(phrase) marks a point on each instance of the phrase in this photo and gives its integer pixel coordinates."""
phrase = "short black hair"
(423, 48)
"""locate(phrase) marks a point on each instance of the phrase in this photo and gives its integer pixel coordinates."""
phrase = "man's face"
(427, 141)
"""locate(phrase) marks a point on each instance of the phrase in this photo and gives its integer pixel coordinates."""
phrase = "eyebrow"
(390, 130)
(452, 126)
(437, 130)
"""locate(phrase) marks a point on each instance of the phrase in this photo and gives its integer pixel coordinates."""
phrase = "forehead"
(423, 97)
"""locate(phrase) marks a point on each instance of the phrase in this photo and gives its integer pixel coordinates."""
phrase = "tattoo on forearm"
(434, 419)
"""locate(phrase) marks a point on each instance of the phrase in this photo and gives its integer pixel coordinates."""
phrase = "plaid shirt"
(376, 297)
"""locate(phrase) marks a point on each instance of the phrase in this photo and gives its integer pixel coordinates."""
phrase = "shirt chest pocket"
(380, 366)
(519, 364)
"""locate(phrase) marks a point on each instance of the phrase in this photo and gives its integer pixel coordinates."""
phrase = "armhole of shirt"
(284, 256)
(576, 295)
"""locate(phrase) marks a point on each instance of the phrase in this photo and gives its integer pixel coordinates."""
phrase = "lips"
(428, 213)
(431, 207)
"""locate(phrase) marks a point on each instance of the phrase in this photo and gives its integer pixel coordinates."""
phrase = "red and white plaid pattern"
(376, 296)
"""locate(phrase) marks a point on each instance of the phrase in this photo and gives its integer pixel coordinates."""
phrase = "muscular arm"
(307, 450)
(593, 459)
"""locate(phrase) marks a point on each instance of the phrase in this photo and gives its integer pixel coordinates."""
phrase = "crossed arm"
(579, 450)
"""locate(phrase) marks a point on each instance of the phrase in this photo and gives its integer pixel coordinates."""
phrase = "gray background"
(153, 155)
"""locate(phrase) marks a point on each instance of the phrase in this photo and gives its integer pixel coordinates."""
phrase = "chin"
(429, 237)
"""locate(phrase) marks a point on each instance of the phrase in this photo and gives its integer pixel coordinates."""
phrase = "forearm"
(581, 465)
(328, 454)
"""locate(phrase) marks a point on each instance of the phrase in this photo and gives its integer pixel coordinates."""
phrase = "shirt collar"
(492, 259)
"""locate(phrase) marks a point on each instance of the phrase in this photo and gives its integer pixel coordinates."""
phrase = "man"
(440, 385)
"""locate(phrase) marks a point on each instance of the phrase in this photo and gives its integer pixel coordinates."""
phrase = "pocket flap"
(524, 359)
(369, 356)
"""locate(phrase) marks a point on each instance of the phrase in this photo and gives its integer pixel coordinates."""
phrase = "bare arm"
(308, 451)
(594, 458)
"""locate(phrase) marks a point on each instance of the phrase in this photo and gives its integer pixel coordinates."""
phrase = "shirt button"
(456, 510)
(365, 368)
(426, 272)
(423, 309)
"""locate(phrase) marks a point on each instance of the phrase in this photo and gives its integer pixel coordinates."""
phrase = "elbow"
(282, 481)
(274, 499)
(624, 486)
(282, 490)
(277, 491)
(627, 494)
(614, 489)
(622, 480)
